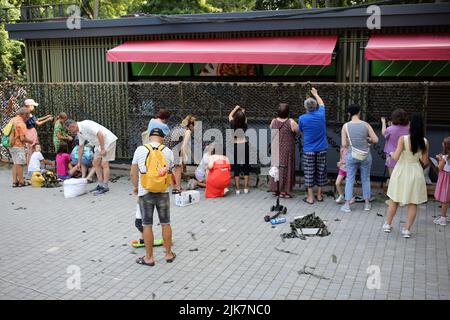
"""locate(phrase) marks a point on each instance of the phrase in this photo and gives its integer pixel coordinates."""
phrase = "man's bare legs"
(167, 240)
(148, 240)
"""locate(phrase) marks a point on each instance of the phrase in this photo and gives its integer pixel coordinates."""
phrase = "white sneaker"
(346, 208)
(406, 233)
(238, 192)
(442, 221)
(367, 207)
(245, 191)
(225, 191)
(387, 228)
(340, 199)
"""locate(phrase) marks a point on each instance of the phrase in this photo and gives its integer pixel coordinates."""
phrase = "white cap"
(31, 102)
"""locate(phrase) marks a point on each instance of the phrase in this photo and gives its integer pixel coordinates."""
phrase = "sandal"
(319, 200)
(171, 259)
(176, 191)
(15, 185)
(305, 199)
(142, 262)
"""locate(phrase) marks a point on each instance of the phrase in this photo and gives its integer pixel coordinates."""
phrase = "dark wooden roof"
(418, 15)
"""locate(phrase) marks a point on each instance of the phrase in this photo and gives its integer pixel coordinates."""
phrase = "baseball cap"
(31, 102)
(157, 132)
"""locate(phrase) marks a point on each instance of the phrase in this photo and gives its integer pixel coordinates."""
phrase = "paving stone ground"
(42, 235)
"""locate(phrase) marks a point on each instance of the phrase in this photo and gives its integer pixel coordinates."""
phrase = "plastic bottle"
(278, 220)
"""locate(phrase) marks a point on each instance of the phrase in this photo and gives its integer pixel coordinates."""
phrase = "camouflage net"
(126, 108)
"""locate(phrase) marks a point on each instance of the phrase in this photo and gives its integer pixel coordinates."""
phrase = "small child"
(35, 161)
(63, 171)
(442, 192)
(341, 175)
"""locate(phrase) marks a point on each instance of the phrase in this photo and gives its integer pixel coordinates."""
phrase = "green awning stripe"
(404, 68)
(424, 67)
(143, 66)
(384, 71)
(440, 70)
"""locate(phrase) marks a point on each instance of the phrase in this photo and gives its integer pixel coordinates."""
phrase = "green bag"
(6, 142)
(6, 139)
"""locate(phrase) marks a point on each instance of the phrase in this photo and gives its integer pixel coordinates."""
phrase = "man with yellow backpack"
(151, 177)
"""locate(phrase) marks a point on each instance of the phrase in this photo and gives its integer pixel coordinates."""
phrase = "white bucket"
(74, 187)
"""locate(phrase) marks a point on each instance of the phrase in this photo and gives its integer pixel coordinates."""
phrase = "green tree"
(177, 7)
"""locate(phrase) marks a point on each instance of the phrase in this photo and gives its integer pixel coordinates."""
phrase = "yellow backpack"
(151, 180)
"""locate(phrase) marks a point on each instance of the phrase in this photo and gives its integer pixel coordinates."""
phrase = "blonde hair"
(62, 115)
(190, 119)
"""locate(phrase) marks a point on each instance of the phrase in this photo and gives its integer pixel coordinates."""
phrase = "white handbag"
(356, 153)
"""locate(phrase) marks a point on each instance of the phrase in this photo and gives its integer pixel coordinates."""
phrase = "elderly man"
(18, 140)
(104, 142)
(312, 125)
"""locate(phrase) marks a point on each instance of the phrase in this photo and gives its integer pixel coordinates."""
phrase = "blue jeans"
(352, 166)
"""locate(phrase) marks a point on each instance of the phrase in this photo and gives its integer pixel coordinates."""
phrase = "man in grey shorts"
(104, 142)
(148, 200)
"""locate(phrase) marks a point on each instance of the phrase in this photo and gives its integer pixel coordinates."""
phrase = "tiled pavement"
(236, 257)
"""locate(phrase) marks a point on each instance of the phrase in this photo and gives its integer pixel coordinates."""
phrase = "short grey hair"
(23, 111)
(310, 104)
(69, 122)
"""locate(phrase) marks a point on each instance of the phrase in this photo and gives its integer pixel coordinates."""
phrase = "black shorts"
(241, 160)
(147, 204)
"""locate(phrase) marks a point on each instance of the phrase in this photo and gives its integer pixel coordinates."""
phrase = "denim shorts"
(148, 202)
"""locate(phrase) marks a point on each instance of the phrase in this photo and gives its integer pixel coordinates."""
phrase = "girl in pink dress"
(442, 192)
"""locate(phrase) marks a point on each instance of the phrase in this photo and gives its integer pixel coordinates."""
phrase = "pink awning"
(409, 47)
(305, 50)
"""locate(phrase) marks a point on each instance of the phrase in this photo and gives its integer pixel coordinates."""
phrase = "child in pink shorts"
(341, 175)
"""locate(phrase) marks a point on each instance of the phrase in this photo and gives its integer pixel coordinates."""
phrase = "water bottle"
(278, 220)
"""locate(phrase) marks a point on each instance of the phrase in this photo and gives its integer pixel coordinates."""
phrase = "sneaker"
(442, 221)
(340, 199)
(353, 200)
(101, 191)
(387, 228)
(245, 191)
(406, 233)
(238, 192)
(346, 208)
(97, 188)
(367, 207)
(225, 191)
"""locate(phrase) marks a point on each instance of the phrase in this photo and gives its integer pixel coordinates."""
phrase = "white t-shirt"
(35, 162)
(200, 172)
(140, 157)
(447, 164)
(88, 131)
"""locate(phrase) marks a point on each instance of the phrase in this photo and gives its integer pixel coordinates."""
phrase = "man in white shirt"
(104, 142)
(148, 200)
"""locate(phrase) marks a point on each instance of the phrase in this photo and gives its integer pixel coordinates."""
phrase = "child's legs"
(444, 209)
(339, 183)
(412, 211)
(83, 171)
(392, 210)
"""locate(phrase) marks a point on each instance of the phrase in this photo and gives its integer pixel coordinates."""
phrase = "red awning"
(409, 47)
(306, 50)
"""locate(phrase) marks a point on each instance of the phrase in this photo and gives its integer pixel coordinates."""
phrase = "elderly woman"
(357, 135)
(287, 129)
(312, 125)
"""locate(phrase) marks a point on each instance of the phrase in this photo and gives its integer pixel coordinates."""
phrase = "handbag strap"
(348, 135)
